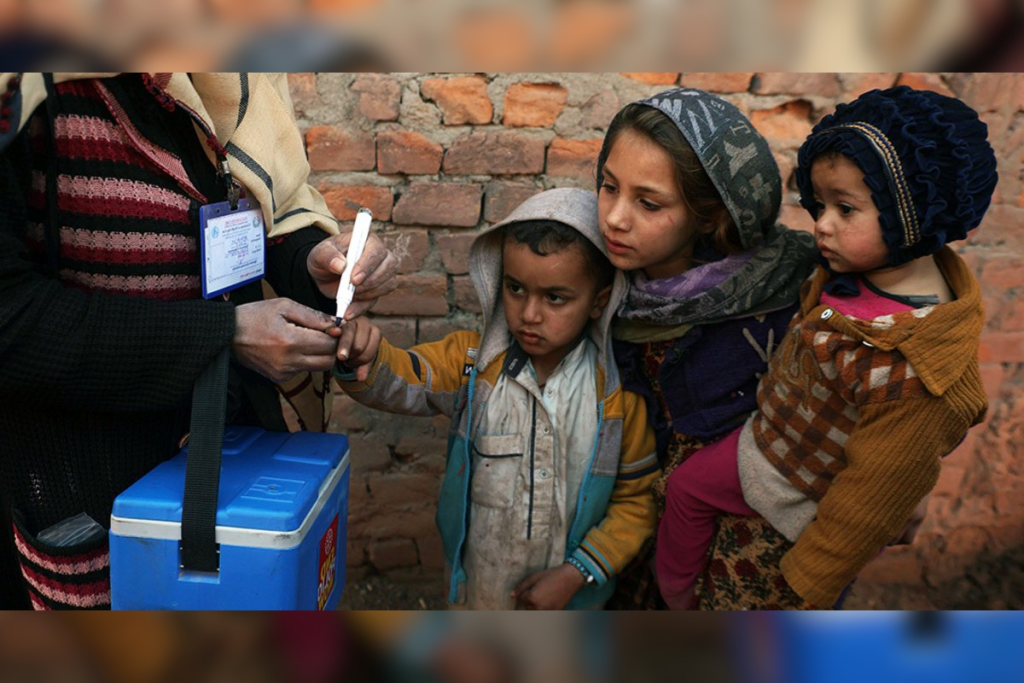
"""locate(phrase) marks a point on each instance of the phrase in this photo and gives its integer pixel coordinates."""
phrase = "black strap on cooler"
(199, 551)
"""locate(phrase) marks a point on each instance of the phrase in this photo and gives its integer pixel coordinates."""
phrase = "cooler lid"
(268, 480)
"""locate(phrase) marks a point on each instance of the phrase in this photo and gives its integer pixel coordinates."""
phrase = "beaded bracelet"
(587, 576)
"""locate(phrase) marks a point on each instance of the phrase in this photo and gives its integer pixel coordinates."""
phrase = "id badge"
(233, 246)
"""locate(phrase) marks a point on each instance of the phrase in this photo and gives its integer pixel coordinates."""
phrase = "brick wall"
(439, 156)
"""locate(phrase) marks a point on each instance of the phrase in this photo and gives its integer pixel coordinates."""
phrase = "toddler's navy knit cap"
(925, 157)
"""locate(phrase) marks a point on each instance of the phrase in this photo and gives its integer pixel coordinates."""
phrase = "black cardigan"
(95, 389)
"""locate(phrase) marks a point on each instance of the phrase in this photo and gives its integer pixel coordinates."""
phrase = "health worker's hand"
(280, 338)
(373, 277)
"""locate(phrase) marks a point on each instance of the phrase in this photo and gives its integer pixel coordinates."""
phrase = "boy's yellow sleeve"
(425, 380)
(631, 517)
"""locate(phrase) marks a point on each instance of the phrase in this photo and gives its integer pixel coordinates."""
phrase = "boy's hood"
(572, 207)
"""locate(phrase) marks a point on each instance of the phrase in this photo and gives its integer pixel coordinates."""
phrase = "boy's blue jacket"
(615, 511)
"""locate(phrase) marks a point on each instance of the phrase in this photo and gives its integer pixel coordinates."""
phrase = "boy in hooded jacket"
(546, 493)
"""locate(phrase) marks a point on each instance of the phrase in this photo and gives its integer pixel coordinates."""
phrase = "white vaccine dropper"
(346, 289)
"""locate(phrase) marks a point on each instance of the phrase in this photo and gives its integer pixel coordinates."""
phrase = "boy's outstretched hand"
(357, 346)
(551, 589)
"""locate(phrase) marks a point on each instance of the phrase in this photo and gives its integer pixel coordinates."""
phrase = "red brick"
(599, 110)
(454, 251)
(950, 478)
(787, 124)
(402, 151)
(925, 81)
(400, 332)
(410, 247)
(404, 489)
(334, 149)
(455, 205)
(993, 305)
(355, 553)
(371, 521)
(1001, 347)
(502, 198)
(786, 164)
(462, 99)
(855, 84)
(1009, 535)
(392, 553)
(358, 573)
(718, 82)
(1001, 228)
(992, 379)
(534, 104)
(1009, 497)
(347, 415)
(1010, 317)
(899, 565)
(987, 91)
(998, 124)
(1001, 271)
(412, 449)
(501, 153)
(379, 96)
(653, 78)
(796, 217)
(966, 541)
(435, 329)
(976, 508)
(965, 453)
(821, 84)
(434, 462)
(345, 200)
(358, 497)
(465, 294)
(439, 425)
(416, 295)
(302, 87)
(431, 552)
(950, 565)
(574, 158)
(369, 455)
(418, 576)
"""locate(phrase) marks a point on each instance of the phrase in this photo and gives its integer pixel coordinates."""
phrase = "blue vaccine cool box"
(281, 528)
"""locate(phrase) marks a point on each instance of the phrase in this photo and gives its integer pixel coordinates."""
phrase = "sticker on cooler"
(328, 564)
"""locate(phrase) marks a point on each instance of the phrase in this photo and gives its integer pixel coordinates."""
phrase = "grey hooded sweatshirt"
(534, 476)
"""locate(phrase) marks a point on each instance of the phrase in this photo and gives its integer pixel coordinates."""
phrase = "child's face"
(642, 213)
(548, 299)
(846, 227)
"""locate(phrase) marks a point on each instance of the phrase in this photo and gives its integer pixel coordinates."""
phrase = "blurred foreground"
(462, 647)
(502, 35)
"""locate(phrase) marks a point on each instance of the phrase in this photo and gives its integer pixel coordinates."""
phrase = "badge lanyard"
(232, 239)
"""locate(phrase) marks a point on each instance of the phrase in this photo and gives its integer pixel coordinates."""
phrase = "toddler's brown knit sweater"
(856, 416)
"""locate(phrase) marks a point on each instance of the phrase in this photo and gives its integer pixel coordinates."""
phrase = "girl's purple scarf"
(760, 280)
(694, 281)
